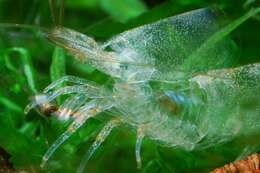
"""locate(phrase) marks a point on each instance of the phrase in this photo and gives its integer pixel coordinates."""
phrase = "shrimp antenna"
(61, 13)
(44, 31)
(57, 20)
(53, 12)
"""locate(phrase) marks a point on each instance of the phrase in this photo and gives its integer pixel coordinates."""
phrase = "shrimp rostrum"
(175, 82)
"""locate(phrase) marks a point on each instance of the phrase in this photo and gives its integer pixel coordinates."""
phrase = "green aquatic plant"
(174, 82)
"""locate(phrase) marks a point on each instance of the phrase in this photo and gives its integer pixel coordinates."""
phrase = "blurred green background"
(28, 63)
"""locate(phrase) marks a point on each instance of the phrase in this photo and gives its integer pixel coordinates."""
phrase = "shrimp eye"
(44, 106)
(48, 109)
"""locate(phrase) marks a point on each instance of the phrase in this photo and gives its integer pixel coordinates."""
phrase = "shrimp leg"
(103, 134)
(71, 79)
(140, 136)
(46, 98)
(81, 116)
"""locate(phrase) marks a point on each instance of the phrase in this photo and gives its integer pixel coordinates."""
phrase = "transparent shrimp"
(197, 101)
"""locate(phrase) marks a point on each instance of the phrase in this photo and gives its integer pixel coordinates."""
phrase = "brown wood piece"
(250, 165)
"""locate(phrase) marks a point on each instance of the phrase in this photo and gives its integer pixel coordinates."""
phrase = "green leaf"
(152, 166)
(26, 64)
(201, 58)
(82, 4)
(58, 64)
(113, 27)
(10, 104)
(123, 10)
(24, 150)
